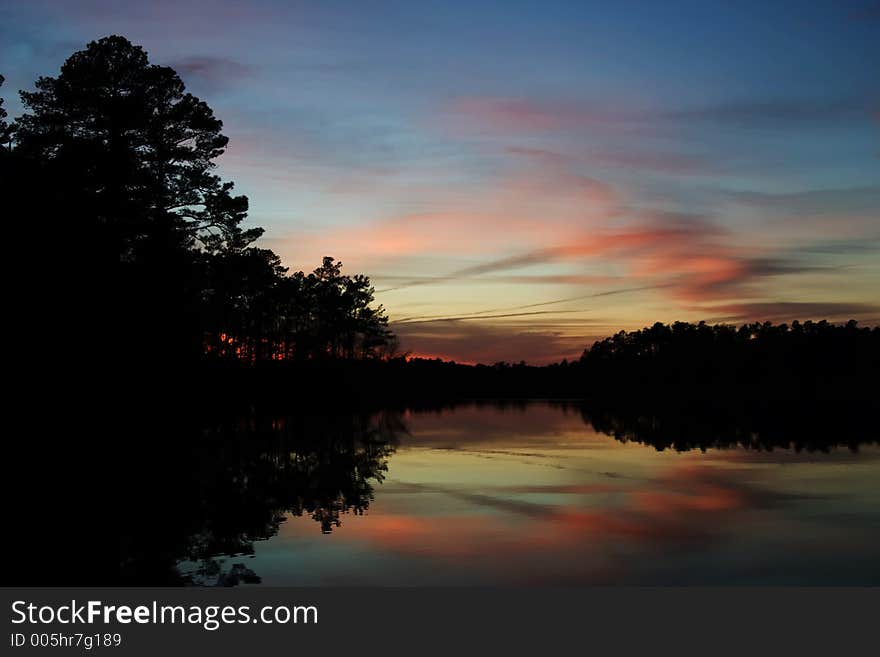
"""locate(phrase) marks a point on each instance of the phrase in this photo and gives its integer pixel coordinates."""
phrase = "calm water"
(530, 495)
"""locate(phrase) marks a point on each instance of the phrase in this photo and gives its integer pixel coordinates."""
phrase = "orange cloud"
(690, 258)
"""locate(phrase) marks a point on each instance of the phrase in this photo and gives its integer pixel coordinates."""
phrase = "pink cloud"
(691, 259)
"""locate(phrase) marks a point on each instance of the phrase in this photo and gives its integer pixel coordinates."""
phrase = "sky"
(519, 179)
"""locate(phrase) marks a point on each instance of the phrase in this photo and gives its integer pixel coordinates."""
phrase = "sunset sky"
(521, 178)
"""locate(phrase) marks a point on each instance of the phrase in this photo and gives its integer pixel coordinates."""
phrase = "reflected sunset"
(534, 496)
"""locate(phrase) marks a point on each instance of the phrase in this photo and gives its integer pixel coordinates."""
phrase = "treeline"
(326, 314)
(759, 360)
(137, 253)
(724, 364)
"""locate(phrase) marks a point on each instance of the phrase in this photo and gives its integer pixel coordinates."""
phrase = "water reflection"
(682, 428)
(538, 493)
(244, 478)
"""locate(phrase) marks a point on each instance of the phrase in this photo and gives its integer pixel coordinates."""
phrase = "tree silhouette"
(343, 324)
(261, 313)
(137, 148)
(124, 157)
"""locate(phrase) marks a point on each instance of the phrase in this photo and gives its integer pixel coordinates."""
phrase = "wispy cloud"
(210, 73)
(520, 115)
(629, 160)
(828, 201)
(542, 156)
(787, 311)
(485, 314)
(784, 111)
(399, 282)
(480, 316)
(691, 258)
(487, 342)
(865, 245)
(658, 162)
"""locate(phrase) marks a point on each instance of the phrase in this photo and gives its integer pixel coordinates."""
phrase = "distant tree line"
(138, 250)
(771, 360)
(677, 363)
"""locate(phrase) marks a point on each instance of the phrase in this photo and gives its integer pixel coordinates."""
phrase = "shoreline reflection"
(527, 493)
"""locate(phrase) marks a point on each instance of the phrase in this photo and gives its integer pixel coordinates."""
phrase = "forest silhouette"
(121, 159)
(141, 304)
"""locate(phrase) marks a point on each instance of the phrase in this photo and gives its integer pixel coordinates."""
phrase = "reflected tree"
(757, 427)
(246, 476)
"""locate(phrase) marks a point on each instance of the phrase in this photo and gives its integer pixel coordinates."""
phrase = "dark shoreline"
(354, 383)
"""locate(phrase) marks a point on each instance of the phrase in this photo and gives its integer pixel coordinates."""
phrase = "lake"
(525, 494)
